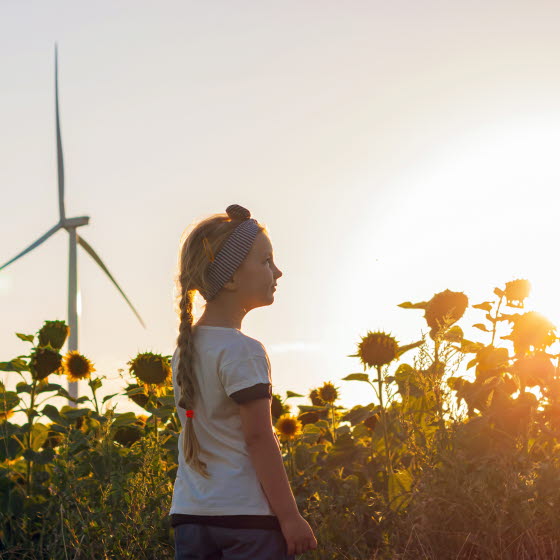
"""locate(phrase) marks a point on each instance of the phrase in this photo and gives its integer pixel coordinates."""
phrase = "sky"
(392, 150)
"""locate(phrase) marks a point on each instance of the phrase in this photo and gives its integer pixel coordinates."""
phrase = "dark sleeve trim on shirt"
(258, 391)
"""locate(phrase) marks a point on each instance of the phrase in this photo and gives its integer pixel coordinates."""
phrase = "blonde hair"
(201, 243)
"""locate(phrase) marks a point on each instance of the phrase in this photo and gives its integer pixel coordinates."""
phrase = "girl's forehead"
(262, 244)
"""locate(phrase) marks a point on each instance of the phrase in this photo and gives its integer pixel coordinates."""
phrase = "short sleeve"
(246, 379)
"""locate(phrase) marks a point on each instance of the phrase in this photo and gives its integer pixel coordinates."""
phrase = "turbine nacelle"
(74, 222)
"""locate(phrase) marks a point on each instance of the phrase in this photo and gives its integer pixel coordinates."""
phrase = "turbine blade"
(96, 258)
(59, 157)
(33, 245)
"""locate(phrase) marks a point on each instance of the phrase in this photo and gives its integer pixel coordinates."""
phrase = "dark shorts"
(195, 541)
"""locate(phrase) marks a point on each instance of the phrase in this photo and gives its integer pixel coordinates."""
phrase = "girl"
(231, 498)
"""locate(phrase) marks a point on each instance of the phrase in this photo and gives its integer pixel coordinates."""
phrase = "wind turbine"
(70, 225)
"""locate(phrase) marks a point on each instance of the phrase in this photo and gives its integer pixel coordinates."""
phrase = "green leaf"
(290, 394)
(17, 364)
(46, 387)
(341, 430)
(52, 413)
(402, 349)
(468, 346)
(40, 457)
(486, 306)
(167, 400)
(408, 305)
(309, 407)
(400, 484)
(73, 413)
(454, 334)
(472, 363)
(107, 397)
(163, 412)
(62, 392)
(8, 401)
(39, 434)
(95, 383)
(124, 419)
(26, 337)
(357, 377)
(358, 414)
(22, 387)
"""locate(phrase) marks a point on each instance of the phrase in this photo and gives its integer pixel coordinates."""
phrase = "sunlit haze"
(393, 150)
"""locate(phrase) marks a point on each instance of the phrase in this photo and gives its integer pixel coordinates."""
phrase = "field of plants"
(441, 465)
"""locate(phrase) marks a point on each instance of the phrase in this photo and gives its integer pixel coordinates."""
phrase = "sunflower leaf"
(408, 305)
(26, 337)
(357, 377)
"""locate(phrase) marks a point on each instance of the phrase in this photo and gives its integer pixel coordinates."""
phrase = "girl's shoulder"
(244, 346)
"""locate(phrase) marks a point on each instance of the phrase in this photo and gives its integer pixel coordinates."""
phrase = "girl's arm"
(266, 456)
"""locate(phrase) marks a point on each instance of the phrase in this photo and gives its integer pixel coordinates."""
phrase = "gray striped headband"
(233, 252)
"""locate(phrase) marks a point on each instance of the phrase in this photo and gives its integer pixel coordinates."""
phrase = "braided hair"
(199, 244)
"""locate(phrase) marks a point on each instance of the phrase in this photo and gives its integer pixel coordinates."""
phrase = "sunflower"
(54, 333)
(76, 366)
(151, 369)
(517, 291)
(534, 370)
(444, 309)
(127, 435)
(328, 393)
(44, 361)
(288, 426)
(315, 398)
(531, 329)
(377, 349)
(277, 407)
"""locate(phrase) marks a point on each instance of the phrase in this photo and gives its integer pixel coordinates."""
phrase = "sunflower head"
(277, 407)
(54, 333)
(76, 366)
(153, 369)
(288, 427)
(534, 370)
(516, 292)
(377, 349)
(316, 400)
(444, 309)
(127, 435)
(328, 393)
(531, 330)
(44, 361)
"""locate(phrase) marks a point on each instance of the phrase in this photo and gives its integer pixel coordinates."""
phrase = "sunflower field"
(457, 456)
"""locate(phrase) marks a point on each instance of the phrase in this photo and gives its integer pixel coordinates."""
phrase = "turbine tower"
(70, 225)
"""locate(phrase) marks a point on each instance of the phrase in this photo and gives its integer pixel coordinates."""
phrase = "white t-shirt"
(230, 367)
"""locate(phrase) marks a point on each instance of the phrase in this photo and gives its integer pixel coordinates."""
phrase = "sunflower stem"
(94, 395)
(495, 323)
(332, 422)
(389, 468)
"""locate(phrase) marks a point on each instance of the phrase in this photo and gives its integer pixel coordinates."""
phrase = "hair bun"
(237, 212)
